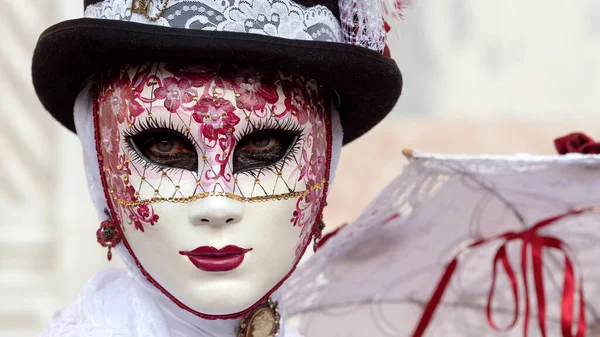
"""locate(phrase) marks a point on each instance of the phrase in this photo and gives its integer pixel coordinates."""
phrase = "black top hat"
(340, 43)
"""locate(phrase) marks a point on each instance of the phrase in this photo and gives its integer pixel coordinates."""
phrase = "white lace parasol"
(377, 275)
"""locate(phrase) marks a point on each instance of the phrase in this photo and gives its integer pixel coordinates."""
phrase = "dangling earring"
(318, 235)
(108, 236)
(319, 232)
(319, 238)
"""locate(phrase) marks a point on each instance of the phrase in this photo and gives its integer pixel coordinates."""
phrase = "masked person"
(211, 131)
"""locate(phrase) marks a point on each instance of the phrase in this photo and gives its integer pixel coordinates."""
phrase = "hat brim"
(368, 83)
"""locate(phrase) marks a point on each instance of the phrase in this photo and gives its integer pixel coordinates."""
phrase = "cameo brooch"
(261, 322)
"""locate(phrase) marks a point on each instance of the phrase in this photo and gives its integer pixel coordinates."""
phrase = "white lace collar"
(116, 303)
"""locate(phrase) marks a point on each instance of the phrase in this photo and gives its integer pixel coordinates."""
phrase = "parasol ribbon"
(576, 143)
(531, 241)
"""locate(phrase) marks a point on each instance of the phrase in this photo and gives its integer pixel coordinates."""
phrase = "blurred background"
(481, 76)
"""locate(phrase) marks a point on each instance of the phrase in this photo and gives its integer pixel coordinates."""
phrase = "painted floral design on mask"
(146, 214)
(254, 90)
(120, 100)
(217, 120)
(214, 107)
(296, 98)
(118, 105)
(307, 105)
(216, 116)
(175, 92)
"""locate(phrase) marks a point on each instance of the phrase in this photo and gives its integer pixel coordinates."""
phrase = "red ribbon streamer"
(534, 244)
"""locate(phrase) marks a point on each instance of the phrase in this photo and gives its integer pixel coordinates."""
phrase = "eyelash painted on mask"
(271, 124)
(290, 125)
(154, 124)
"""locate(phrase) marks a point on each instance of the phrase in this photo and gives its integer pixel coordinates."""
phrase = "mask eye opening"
(249, 162)
(140, 137)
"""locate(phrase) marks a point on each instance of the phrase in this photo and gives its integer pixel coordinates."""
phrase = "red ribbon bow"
(531, 241)
(576, 143)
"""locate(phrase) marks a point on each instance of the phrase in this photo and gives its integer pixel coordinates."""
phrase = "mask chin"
(84, 122)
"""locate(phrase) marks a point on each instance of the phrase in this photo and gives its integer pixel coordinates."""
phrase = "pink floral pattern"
(217, 120)
(310, 104)
(198, 75)
(120, 98)
(297, 98)
(147, 214)
(216, 117)
(254, 90)
(175, 92)
(118, 105)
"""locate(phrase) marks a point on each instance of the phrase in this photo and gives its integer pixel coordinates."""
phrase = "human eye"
(263, 148)
(164, 147)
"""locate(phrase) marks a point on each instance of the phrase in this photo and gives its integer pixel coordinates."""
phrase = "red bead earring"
(108, 236)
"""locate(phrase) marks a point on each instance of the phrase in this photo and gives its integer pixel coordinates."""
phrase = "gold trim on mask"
(203, 195)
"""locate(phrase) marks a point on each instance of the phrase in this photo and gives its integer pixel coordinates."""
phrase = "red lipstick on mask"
(211, 259)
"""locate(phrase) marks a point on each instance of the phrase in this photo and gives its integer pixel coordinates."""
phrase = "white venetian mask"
(216, 175)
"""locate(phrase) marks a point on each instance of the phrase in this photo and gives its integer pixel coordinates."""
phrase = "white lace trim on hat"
(279, 18)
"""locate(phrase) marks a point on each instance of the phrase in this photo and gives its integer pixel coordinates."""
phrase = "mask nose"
(215, 211)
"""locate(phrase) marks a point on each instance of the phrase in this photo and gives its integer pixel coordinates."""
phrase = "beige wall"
(481, 76)
(510, 59)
